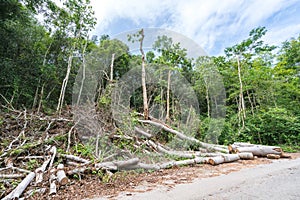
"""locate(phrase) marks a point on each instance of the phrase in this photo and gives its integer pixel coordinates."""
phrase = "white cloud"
(211, 24)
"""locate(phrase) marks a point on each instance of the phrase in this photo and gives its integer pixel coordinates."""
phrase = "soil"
(131, 182)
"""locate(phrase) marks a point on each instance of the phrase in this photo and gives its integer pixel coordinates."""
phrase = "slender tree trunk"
(112, 67)
(41, 98)
(168, 96)
(145, 101)
(207, 98)
(241, 97)
(83, 71)
(36, 95)
(250, 101)
(64, 85)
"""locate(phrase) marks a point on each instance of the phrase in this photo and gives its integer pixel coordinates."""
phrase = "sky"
(212, 24)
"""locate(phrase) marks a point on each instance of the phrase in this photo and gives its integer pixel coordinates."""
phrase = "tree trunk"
(83, 71)
(64, 85)
(223, 159)
(168, 96)
(145, 99)
(259, 150)
(112, 67)
(241, 96)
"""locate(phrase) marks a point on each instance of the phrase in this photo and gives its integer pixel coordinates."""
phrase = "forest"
(43, 62)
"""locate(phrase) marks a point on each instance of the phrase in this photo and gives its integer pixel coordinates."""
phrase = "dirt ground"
(132, 181)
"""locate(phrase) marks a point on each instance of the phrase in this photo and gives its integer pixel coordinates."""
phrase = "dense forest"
(41, 59)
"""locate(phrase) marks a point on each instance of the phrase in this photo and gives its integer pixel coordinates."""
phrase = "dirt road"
(278, 180)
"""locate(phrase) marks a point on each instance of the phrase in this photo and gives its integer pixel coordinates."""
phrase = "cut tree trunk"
(246, 156)
(223, 159)
(257, 150)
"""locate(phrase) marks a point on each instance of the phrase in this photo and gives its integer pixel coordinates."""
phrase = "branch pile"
(41, 153)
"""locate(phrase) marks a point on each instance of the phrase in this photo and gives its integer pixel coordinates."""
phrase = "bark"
(223, 159)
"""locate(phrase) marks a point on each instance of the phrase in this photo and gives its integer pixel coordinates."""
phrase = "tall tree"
(244, 53)
(76, 20)
(140, 37)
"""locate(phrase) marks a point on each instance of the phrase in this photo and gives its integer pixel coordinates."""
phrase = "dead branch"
(15, 194)
(12, 175)
(75, 158)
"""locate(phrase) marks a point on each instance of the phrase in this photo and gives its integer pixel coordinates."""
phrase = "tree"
(244, 53)
(173, 58)
(75, 21)
(140, 37)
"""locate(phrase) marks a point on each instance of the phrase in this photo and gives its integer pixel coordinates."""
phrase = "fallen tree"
(61, 165)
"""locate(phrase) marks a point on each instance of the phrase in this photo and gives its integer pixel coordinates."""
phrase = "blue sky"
(213, 24)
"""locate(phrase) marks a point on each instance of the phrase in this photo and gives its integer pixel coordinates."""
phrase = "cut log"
(61, 176)
(260, 150)
(246, 156)
(223, 159)
(273, 156)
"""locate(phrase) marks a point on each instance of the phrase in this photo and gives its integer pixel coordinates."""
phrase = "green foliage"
(274, 126)
(84, 150)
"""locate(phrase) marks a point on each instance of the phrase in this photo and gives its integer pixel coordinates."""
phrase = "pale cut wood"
(246, 156)
(61, 175)
(273, 156)
(223, 159)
